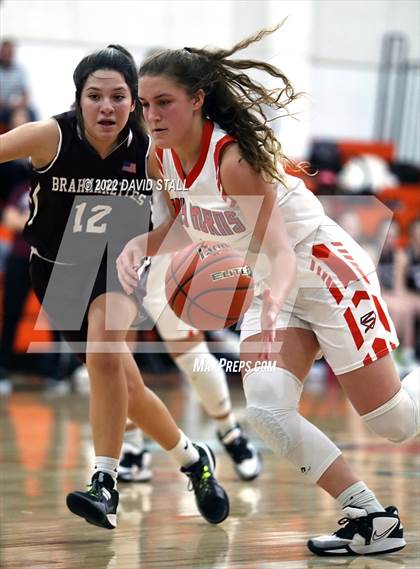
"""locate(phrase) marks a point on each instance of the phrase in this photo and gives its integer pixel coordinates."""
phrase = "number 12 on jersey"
(88, 220)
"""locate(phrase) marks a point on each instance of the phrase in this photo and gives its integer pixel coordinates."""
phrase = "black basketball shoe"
(362, 534)
(99, 504)
(245, 457)
(134, 467)
(211, 499)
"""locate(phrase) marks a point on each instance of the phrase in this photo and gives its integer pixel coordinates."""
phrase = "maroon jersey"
(81, 203)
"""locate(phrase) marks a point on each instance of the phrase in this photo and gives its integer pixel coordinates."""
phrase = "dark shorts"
(67, 291)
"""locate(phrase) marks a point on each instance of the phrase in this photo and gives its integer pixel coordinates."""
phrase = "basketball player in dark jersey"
(89, 194)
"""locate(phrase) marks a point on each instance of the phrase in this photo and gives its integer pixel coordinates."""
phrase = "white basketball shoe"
(362, 534)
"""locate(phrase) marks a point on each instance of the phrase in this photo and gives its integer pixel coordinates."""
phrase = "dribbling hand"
(128, 264)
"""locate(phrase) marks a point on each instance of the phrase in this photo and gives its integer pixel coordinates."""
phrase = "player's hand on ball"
(128, 264)
(270, 310)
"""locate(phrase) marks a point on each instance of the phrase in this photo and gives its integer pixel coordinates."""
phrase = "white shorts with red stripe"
(169, 326)
(337, 296)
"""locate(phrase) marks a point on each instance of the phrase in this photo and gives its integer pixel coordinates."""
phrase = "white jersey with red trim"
(208, 213)
(336, 292)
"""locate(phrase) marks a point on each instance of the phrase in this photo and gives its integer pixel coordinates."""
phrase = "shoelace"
(352, 526)
(92, 488)
(200, 478)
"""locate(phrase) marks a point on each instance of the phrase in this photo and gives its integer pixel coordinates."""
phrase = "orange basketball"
(208, 285)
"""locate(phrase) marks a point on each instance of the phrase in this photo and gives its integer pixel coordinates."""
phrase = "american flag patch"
(129, 167)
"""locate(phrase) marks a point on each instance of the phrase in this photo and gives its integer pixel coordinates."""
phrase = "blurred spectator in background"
(366, 174)
(324, 159)
(16, 283)
(16, 289)
(399, 275)
(406, 172)
(16, 279)
(413, 256)
(11, 175)
(14, 106)
(413, 279)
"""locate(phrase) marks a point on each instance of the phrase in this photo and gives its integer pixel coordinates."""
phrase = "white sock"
(135, 438)
(184, 453)
(359, 496)
(227, 424)
(108, 465)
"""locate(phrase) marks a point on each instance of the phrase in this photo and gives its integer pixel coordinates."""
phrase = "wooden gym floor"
(45, 452)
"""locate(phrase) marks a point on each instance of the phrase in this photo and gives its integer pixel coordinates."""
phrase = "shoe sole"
(135, 480)
(82, 507)
(396, 545)
(225, 514)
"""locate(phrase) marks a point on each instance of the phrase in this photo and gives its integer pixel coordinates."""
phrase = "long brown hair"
(232, 99)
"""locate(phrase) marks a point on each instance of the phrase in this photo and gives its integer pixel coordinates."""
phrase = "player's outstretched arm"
(37, 140)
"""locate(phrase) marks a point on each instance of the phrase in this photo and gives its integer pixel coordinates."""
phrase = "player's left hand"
(270, 309)
(128, 264)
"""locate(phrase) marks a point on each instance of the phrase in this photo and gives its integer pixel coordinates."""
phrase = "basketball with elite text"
(209, 286)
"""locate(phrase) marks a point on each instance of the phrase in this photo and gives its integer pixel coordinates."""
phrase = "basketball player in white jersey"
(207, 122)
(209, 383)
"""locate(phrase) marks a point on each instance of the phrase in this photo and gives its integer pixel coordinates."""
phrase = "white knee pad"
(272, 408)
(398, 420)
(207, 379)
